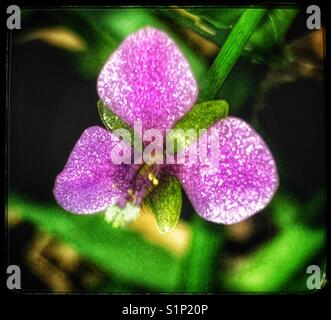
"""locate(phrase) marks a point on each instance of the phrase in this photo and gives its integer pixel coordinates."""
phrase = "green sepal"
(201, 116)
(110, 120)
(165, 201)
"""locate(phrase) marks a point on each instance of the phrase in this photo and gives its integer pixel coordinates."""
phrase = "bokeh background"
(276, 85)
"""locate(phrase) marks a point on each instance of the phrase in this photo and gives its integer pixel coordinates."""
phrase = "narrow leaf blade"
(231, 51)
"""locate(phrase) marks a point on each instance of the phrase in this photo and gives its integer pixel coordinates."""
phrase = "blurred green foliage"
(244, 36)
(215, 24)
(120, 252)
(104, 30)
(271, 267)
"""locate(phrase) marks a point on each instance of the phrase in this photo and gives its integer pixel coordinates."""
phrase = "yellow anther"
(144, 168)
(155, 182)
(151, 176)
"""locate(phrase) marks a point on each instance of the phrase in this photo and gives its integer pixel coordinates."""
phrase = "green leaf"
(110, 120)
(122, 253)
(165, 201)
(230, 52)
(201, 116)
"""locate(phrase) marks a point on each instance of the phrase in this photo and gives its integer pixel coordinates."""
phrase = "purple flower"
(148, 79)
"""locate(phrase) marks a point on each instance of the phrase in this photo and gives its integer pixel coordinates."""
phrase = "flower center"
(146, 180)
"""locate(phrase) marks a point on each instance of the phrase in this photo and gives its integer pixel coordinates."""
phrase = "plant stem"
(230, 52)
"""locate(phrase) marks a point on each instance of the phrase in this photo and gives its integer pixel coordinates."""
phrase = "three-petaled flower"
(148, 79)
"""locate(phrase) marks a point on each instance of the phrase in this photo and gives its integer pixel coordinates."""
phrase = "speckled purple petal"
(90, 181)
(148, 79)
(242, 184)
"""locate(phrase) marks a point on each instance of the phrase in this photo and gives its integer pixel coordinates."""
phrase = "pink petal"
(243, 182)
(148, 79)
(90, 181)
